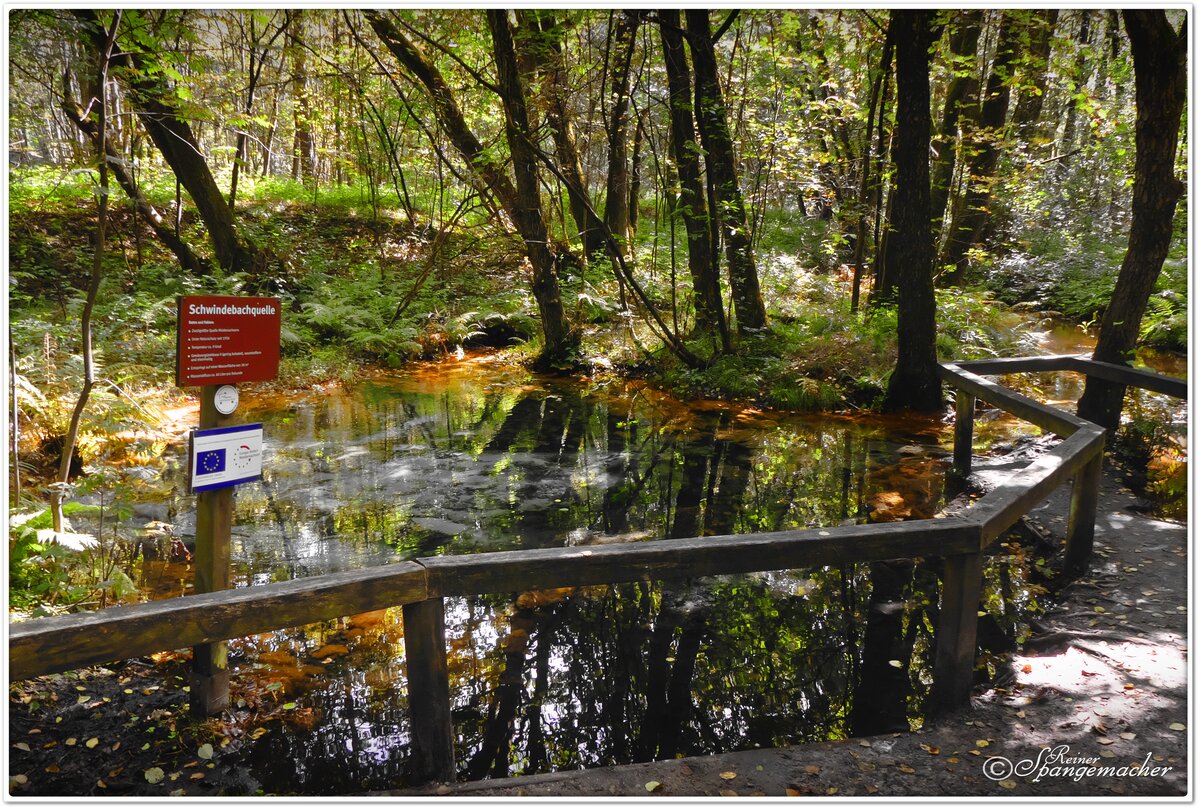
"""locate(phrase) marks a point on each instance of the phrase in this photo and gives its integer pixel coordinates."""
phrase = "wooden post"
(954, 661)
(964, 431)
(1081, 523)
(429, 690)
(214, 517)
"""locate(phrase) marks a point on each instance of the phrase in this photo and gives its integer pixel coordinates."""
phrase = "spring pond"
(467, 456)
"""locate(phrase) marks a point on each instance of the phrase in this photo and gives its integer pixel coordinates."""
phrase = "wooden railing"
(47, 645)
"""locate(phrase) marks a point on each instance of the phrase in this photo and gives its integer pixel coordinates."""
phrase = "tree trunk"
(616, 201)
(915, 383)
(722, 170)
(303, 146)
(560, 342)
(106, 39)
(969, 222)
(487, 171)
(1026, 118)
(174, 139)
(706, 284)
(962, 94)
(120, 169)
(1160, 84)
(870, 180)
(547, 55)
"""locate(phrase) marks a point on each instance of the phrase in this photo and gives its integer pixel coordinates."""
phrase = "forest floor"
(1103, 684)
(1095, 704)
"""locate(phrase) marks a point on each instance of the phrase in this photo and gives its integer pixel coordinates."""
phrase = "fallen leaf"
(154, 775)
(728, 775)
(92, 742)
(205, 751)
(653, 786)
(1128, 686)
(1027, 669)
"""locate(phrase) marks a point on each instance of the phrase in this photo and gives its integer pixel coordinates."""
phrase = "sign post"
(214, 518)
(221, 341)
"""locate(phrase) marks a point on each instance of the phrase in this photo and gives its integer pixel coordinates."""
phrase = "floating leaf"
(154, 775)
(205, 751)
(812, 769)
(831, 791)
(22, 746)
(1128, 736)
(92, 742)
(196, 776)
(289, 706)
(896, 664)
(20, 778)
(653, 786)
(792, 792)
(1008, 783)
(727, 793)
(100, 783)
(930, 749)
(982, 742)
(52, 768)
(905, 768)
(71, 742)
(1104, 740)
(728, 775)
(1177, 726)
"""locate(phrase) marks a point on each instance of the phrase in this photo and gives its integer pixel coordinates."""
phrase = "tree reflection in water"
(450, 460)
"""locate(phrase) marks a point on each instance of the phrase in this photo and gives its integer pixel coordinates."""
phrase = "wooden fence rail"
(420, 586)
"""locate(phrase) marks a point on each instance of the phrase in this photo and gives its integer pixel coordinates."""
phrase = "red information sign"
(226, 339)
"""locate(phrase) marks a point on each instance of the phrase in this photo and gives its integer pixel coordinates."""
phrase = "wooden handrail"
(47, 645)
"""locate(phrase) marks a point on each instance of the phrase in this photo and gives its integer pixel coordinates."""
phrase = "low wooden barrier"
(420, 586)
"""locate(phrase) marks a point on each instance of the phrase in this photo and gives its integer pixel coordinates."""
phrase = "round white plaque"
(226, 399)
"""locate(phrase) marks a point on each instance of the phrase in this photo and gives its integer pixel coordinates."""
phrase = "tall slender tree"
(722, 172)
(982, 156)
(914, 383)
(692, 207)
(1160, 84)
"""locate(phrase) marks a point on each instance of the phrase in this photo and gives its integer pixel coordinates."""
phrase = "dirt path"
(1096, 704)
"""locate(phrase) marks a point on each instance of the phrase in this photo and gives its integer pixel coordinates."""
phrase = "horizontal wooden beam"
(512, 571)
(1044, 416)
(1019, 365)
(1113, 372)
(62, 643)
(996, 511)
(1136, 377)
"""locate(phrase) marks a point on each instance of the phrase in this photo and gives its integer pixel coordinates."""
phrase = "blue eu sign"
(211, 461)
